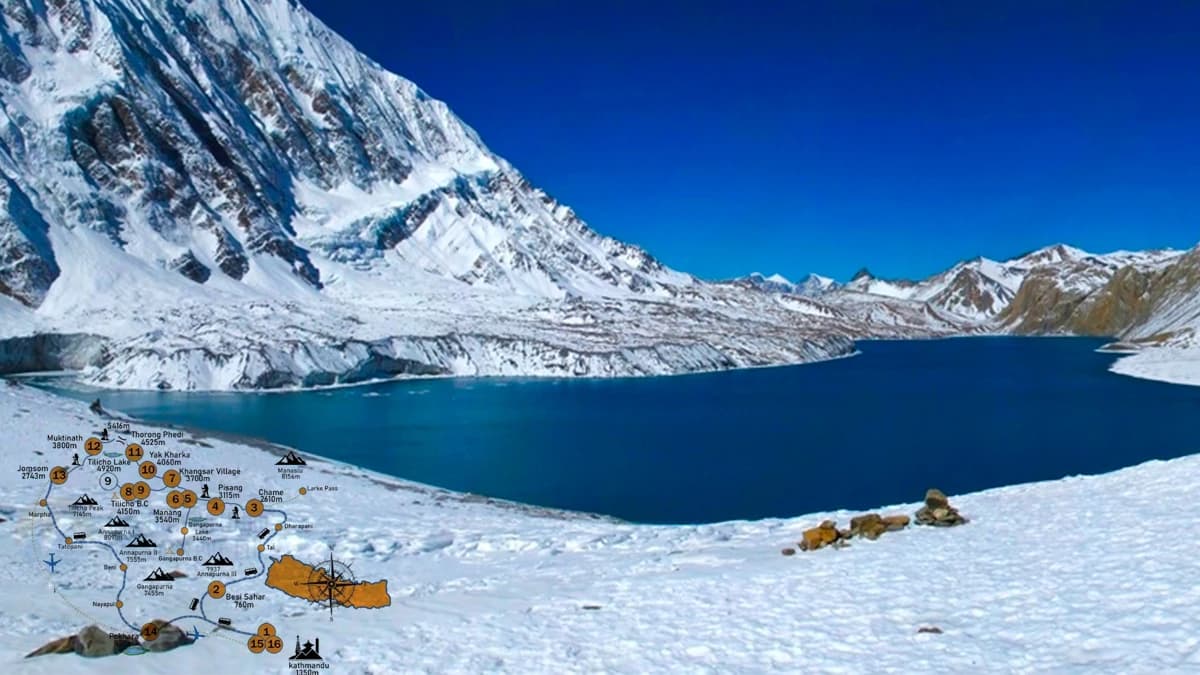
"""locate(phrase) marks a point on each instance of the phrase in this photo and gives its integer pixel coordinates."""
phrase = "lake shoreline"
(642, 449)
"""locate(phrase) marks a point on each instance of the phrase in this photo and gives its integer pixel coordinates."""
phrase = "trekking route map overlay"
(184, 544)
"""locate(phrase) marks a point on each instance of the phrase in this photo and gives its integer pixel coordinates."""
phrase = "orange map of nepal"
(312, 583)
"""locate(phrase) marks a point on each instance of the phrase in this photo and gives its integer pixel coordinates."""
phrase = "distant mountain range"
(811, 285)
(1148, 298)
(225, 194)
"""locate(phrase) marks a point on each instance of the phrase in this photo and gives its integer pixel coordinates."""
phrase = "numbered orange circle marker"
(171, 478)
(216, 590)
(216, 507)
(274, 644)
(58, 475)
(254, 508)
(93, 446)
(175, 499)
(189, 499)
(256, 644)
(266, 629)
(133, 452)
(150, 632)
(147, 470)
(141, 489)
(128, 492)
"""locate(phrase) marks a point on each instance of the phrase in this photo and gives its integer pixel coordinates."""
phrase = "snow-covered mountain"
(811, 285)
(212, 194)
(1150, 300)
(225, 194)
(1068, 291)
(230, 143)
(1010, 295)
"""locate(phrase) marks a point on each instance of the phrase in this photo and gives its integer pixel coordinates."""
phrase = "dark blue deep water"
(880, 428)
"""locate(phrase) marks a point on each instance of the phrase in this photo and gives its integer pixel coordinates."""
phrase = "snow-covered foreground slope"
(1177, 365)
(1088, 574)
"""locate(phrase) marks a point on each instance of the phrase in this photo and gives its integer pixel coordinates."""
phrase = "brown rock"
(935, 498)
(64, 645)
(822, 535)
(858, 523)
(937, 511)
(91, 641)
(169, 637)
(789, 551)
(896, 522)
(94, 641)
(939, 517)
(869, 525)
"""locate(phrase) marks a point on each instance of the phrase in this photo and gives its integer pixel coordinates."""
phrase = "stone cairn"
(936, 512)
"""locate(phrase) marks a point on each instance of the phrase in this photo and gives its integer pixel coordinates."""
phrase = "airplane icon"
(195, 634)
(52, 563)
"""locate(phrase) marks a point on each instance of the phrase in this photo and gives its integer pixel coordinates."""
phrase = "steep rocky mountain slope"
(1083, 294)
(231, 142)
(225, 194)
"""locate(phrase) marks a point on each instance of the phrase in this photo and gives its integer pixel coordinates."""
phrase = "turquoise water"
(877, 429)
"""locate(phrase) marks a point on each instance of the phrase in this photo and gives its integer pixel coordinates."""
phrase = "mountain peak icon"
(141, 541)
(291, 459)
(217, 559)
(116, 521)
(84, 500)
(159, 575)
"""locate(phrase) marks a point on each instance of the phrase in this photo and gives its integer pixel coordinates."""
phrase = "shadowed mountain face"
(1116, 295)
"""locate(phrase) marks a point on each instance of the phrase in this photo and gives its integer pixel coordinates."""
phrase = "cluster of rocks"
(93, 641)
(936, 512)
(868, 525)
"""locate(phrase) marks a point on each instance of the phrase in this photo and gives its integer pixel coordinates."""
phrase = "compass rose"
(332, 583)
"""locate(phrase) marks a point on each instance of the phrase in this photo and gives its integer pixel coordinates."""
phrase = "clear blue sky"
(729, 137)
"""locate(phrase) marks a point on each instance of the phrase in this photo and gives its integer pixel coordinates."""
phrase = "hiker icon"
(204, 491)
(75, 460)
(235, 514)
(104, 434)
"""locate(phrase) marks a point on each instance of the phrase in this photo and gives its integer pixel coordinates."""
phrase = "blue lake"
(960, 414)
